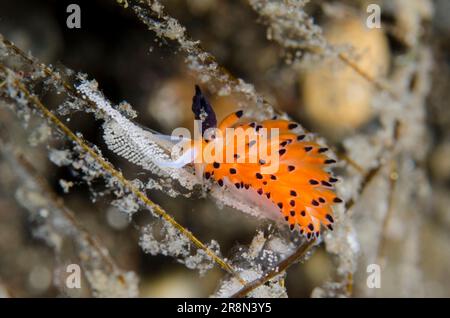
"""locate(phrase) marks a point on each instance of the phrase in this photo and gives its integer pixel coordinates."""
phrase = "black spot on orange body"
(325, 183)
(337, 200)
(329, 218)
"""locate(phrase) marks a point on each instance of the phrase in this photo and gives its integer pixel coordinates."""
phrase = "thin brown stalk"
(109, 169)
(56, 201)
(281, 267)
(375, 82)
(70, 90)
(393, 178)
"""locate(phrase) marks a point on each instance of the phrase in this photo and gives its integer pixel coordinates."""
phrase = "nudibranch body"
(300, 188)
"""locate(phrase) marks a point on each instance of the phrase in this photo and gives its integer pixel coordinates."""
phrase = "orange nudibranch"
(300, 189)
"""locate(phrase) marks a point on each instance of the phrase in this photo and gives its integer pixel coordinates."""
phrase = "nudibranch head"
(203, 111)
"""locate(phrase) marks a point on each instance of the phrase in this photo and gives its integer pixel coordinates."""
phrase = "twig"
(108, 168)
(77, 232)
(281, 267)
(296, 35)
(375, 82)
(349, 285)
(303, 249)
(49, 72)
(343, 156)
(55, 200)
(393, 178)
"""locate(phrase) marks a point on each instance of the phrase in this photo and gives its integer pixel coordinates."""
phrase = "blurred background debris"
(377, 97)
